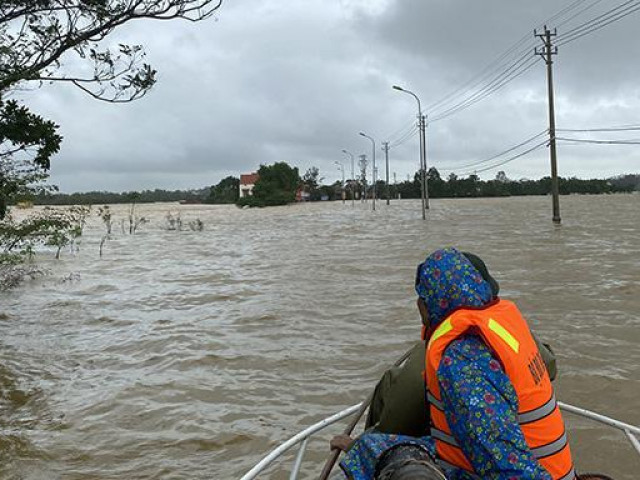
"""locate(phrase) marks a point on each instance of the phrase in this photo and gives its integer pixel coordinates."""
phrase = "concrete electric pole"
(385, 147)
(546, 52)
(362, 163)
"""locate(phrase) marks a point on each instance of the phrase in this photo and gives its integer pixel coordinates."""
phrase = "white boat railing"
(631, 431)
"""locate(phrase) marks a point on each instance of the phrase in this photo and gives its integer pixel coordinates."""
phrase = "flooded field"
(188, 355)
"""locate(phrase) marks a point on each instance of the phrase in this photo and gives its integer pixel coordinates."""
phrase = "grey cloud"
(297, 80)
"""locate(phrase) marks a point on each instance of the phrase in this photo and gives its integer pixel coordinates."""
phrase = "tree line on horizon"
(279, 183)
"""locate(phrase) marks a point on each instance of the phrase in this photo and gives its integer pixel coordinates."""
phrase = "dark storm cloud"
(296, 81)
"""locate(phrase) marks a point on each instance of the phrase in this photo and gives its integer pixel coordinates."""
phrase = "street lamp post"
(373, 142)
(341, 168)
(353, 178)
(423, 153)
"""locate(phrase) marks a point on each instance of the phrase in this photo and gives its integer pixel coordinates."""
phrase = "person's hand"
(341, 442)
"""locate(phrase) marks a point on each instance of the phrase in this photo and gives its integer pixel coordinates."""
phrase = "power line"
(504, 70)
(634, 141)
(588, 7)
(489, 73)
(602, 17)
(617, 13)
(509, 160)
(479, 78)
(563, 11)
(408, 136)
(514, 62)
(401, 132)
(497, 155)
(606, 129)
(493, 87)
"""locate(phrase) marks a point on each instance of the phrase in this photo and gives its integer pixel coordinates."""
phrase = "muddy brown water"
(189, 355)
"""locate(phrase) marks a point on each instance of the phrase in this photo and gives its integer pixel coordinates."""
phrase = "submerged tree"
(277, 185)
(227, 191)
(37, 40)
(311, 182)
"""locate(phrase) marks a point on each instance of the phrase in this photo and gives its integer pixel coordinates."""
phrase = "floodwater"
(189, 355)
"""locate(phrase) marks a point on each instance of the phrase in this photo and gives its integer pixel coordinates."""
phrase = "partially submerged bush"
(20, 240)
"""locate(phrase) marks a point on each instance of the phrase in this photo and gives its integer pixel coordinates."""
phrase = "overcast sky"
(296, 80)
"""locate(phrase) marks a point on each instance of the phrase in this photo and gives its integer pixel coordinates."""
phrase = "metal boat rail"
(631, 431)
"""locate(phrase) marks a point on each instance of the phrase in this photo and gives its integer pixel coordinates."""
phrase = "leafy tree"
(437, 186)
(36, 35)
(227, 191)
(311, 178)
(145, 196)
(23, 134)
(626, 183)
(19, 240)
(502, 177)
(277, 185)
(37, 38)
(311, 182)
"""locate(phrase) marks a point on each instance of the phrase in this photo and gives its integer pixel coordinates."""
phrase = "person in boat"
(398, 405)
(492, 409)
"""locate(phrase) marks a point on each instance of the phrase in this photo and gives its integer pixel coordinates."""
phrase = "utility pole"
(353, 178)
(423, 154)
(422, 123)
(385, 147)
(375, 181)
(343, 193)
(395, 185)
(373, 155)
(362, 163)
(546, 52)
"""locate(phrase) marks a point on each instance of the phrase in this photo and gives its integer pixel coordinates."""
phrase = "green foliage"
(98, 198)
(277, 186)
(34, 36)
(311, 183)
(227, 191)
(20, 240)
(107, 218)
(22, 132)
(502, 186)
(626, 183)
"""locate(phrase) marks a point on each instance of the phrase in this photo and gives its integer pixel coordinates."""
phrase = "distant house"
(302, 195)
(247, 182)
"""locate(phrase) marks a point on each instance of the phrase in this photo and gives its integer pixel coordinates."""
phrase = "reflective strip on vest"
(550, 448)
(569, 476)
(444, 327)
(435, 402)
(443, 437)
(507, 335)
(504, 334)
(539, 413)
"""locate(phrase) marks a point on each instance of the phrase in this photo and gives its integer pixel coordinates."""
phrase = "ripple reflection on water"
(190, 354)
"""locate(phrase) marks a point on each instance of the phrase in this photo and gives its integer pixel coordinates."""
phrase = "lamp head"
(362, 134)
(396, 87)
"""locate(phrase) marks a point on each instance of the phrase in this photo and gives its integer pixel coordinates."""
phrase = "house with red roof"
(247, 182)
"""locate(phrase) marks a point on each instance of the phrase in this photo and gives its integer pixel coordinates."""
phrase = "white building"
(247, 182)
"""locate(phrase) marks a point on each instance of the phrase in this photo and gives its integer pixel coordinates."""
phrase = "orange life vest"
(506, 332)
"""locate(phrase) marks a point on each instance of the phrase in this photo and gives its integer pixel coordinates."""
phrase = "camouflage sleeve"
(548, 357)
